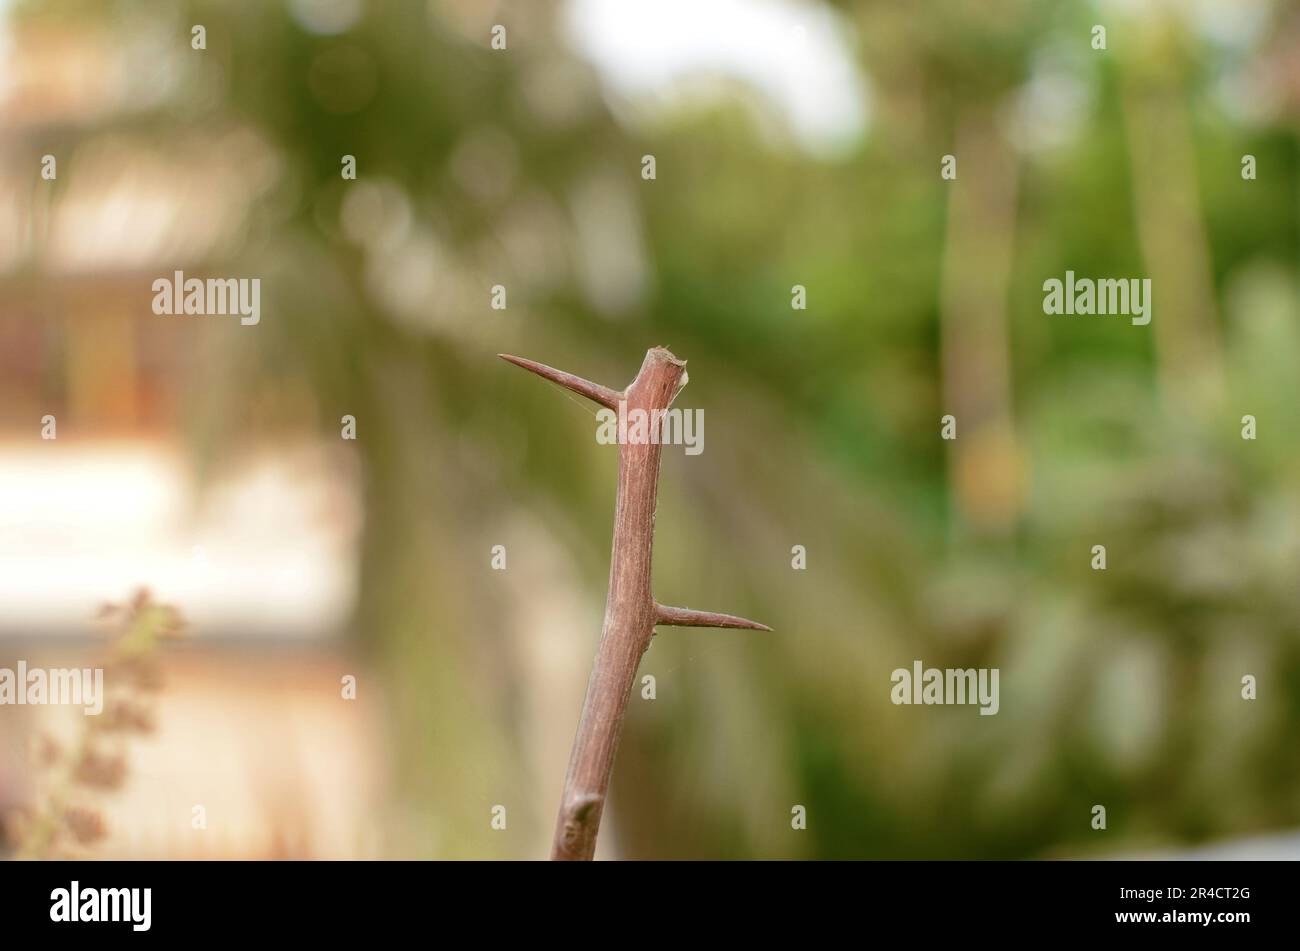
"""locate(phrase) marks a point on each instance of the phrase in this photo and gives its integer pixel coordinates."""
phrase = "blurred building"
(258, 552)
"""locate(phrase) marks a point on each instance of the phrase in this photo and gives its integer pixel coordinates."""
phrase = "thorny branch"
(631, 612)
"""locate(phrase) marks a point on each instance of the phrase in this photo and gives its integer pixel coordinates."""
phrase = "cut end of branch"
(593, 391)
(685, 617)
(666, 354)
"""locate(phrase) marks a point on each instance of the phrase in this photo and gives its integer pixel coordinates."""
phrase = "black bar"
(463, 902)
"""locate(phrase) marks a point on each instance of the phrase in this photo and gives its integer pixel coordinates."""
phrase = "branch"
(592, 391)
(631, 612)
(685, 617)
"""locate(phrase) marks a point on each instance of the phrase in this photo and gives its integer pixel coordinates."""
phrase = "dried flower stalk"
(97, 762)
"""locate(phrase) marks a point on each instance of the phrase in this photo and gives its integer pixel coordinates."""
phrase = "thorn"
(592, 391)
(685, 617)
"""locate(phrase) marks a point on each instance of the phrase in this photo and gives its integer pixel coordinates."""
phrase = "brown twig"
(631, 612)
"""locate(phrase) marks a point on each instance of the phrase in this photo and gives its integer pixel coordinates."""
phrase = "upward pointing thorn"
(592, 391)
